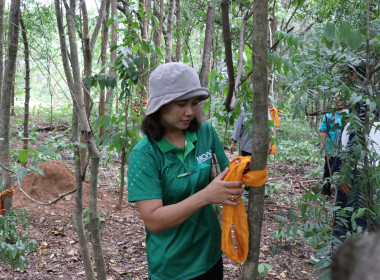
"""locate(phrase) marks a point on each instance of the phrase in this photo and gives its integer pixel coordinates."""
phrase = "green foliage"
(263, 268)
(297, 142)
(101, 218)
(14, 244)
(311, 224)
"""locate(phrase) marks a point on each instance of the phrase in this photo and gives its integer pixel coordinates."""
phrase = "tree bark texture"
(261, 133)
(103, 57)
(178, 49)
(241, 52)
(228, 54)
(27, 84)
(9, 73)
(2, 4)
(209, 33)
(112, 52)
(169, 33)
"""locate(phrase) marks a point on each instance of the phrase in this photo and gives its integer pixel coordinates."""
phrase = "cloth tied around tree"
(275, 118)
(8, 192)
(235, 215)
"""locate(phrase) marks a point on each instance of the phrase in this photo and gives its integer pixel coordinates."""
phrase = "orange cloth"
(235, 215)
(8, 192)
(274, 116)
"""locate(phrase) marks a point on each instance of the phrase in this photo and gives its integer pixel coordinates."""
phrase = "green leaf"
(376, 46)
(23, 156)
(330, 31)
(344, 30)
(38, 171)
(110, 21)
(355, 39)
(79, 144)
(21, 173)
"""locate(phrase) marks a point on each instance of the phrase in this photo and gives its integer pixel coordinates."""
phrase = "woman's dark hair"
(153, 127)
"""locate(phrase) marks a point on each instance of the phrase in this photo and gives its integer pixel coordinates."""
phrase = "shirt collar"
(165, 146)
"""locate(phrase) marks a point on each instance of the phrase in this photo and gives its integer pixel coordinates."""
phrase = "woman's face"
(178, 114)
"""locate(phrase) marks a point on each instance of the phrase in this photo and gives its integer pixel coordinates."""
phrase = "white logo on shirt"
(204, 156)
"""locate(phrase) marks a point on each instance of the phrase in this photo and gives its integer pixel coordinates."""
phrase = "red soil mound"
(57, 181)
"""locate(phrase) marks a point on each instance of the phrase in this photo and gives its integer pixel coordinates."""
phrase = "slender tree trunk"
(261, 132)
(10, 67)
(88, 47)
(157, 32)
(169, 33)
(103, 55)
(123, 153)
(178, 20)
(2, 4)
(27, 84)
(143, 82)
(74, 81)
(206, 57)
(86, 258)
(228, 53)
(13, 102)
(113, 52)
(241, 54)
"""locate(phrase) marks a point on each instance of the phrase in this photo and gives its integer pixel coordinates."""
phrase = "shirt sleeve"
(143, 176)
(238, 127)
(323, 126)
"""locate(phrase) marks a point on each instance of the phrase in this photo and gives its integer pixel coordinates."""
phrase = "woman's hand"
(223, 192)
(345, 188)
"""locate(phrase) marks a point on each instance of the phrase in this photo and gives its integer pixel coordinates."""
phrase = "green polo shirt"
(159, 170)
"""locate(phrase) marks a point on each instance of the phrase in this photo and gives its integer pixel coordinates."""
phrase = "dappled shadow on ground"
(123, 235)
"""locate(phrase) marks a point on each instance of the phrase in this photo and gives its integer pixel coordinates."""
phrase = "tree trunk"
(241, 54)
(2, 4)
(27, 84)
(261, 131)
(86, 258)
(169, 33)
(5, 104)
(123, 153)
(13, 102)
(206, 57)
(113, 52)
(74, 80)
(157, 31)
(228, 53)
(178, 20)
(88, 47)
(103, 56)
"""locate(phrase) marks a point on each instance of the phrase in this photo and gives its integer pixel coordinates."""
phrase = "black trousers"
(326, 187)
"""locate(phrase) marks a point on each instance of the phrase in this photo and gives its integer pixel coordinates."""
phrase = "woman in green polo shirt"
(169, 179)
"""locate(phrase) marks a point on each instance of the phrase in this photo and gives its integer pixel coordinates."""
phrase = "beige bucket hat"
(173, 81)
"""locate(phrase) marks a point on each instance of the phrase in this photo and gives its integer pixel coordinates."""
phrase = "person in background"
(169, 179)
(330, 134)
(349, 165)
(241, 133)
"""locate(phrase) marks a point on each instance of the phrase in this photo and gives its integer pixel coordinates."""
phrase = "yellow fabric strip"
(8, 192)
(275, 118)
(235, 215)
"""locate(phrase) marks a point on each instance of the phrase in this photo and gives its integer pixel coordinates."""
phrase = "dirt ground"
(123, 235)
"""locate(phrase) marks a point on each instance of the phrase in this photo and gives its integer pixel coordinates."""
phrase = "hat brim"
(156, 103)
